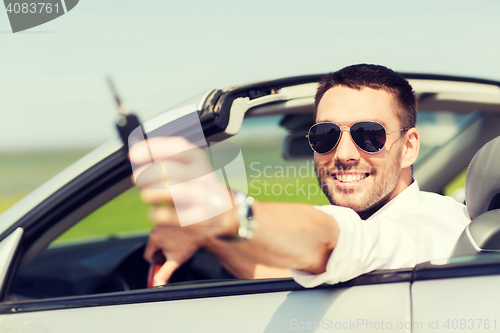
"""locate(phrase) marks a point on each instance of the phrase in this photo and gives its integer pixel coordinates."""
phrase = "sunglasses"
(369, 136)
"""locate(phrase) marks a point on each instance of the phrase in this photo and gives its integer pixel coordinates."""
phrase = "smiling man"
(365, 143)
(360, 98)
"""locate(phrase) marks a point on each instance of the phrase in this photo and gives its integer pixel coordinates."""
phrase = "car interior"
(482, 190)
(269, 125)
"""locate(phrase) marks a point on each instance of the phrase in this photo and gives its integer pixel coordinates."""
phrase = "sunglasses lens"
(323, 137)
(368, 136)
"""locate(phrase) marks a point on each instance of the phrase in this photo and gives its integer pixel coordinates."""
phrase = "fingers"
(188, 193)
(150, 250)
(159, 147)
(160, 238)
(177, 244)
(156, 196)
(165, 272)
(164, 216)
(171, 158)
(158, 173)
(150, 176)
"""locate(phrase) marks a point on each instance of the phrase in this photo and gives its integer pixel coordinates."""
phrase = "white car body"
(459, 293)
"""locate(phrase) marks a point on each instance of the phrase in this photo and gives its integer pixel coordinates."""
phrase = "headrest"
(482, 182)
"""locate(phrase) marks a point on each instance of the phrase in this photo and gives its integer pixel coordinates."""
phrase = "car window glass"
(437, 128)
(456, 187)
(269, 176)
(101, 253)
(125, 213)
(272, 178)
(124, 219)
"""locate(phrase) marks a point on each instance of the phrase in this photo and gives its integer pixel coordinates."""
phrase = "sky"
(53, 93)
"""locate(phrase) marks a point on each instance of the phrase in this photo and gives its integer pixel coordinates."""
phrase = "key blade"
(121, 106)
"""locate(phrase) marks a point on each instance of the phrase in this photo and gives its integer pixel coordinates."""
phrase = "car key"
(126, 123)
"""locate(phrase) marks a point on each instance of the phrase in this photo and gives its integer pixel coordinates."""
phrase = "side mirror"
(296, 147)
(481, 235)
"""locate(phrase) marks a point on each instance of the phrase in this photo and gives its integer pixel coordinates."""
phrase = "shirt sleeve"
(363, 246)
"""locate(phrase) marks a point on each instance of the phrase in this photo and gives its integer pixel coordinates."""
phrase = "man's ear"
(411, 148)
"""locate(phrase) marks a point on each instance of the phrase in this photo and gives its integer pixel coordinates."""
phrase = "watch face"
(245, 218)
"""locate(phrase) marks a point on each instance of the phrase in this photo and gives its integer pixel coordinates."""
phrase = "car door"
(457, 295)
(375, 302)
(368, 302)
(371, 302)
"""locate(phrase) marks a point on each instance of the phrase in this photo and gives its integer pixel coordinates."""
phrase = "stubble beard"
(369, 197)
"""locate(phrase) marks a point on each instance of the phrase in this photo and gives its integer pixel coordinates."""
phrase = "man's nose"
(346, 151)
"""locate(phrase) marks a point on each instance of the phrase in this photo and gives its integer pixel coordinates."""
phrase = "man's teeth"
(346, 178)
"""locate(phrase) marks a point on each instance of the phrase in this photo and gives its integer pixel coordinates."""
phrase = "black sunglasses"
(369, 136)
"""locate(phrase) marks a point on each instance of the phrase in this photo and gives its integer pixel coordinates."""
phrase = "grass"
(125, 213)
(456, 183)
(7, 201)
(23, 172)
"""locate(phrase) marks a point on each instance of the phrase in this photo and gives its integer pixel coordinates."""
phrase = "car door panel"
(467, 304)
(356, 307)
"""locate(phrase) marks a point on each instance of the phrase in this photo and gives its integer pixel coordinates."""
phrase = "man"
(365, 144)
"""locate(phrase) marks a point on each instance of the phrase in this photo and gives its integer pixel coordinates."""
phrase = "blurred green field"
(455, 184)
(22, 172)
(7, 201)
(123, 214)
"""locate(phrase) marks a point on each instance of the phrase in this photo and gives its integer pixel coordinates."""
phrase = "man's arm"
(296, 236)
(179, 244)
(240, 266)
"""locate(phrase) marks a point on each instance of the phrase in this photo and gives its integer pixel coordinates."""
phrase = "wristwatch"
(246, 221)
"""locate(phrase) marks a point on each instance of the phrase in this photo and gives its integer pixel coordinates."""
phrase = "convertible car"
(54, 281)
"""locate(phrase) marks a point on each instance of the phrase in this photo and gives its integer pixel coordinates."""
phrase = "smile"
(349, 177)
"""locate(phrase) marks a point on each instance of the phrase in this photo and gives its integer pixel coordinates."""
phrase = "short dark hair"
(374, 77)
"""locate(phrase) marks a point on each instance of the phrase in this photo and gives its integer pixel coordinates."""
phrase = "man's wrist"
(231, 223)
(241, 223)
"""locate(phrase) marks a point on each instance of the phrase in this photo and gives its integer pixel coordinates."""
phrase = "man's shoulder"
(427, 196)
(420, 206)
(441, 206)
(431, 197)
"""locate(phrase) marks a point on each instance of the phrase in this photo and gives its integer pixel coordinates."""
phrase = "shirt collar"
(406, 199)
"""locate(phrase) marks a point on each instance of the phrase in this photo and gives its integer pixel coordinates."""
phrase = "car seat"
(482, 197)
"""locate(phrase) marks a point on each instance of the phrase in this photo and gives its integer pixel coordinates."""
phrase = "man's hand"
(177, 244)
(200, 200)
(294, 236)
(197, 194)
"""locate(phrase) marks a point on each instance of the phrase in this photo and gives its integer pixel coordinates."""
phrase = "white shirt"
(412, 228)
